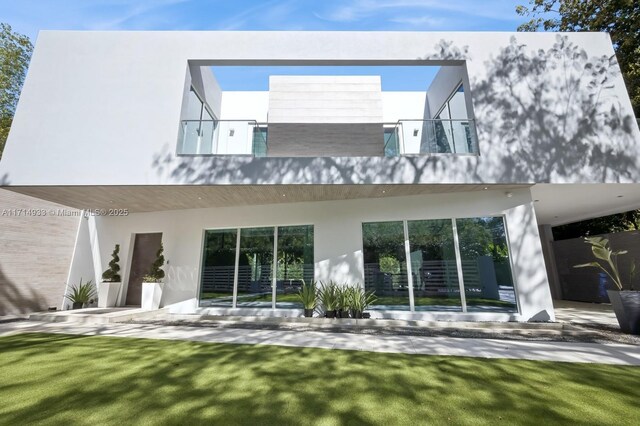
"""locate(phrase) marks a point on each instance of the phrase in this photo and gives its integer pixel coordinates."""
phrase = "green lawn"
(61, 379)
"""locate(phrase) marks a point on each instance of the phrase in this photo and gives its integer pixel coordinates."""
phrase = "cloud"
(356, 10)
(420, 21)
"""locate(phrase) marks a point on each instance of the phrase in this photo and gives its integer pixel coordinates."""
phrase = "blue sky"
(30, 16)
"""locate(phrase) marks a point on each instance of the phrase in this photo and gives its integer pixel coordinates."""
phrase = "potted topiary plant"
(152, 283)
(110, 286)
(624, 299)
(328, 296)
(308, 295)
(80, 294)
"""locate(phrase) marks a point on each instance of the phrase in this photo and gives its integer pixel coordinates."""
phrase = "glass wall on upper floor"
(452, 130)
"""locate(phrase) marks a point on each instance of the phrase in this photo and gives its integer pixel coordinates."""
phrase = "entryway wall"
(338, 236)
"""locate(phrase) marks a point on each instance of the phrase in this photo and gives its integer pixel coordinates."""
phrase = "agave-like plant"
(308, 295)
(81, 293)
(328, 296)
(607, 260)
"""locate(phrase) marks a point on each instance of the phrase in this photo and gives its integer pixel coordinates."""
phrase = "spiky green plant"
(156, 274)
(607, 260)
(111, 275)
(328, 296)
(308, 295)
(359, 299)
(346, 292)
(81, 293)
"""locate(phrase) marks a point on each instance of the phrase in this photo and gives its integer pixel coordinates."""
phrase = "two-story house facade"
(430, 199)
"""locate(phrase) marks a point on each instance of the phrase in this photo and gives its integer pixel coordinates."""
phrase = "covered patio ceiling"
(177, 197)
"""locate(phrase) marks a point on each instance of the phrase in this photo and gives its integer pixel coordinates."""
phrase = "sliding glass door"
(385, 266)
(433, 265)
(239, 269)
(255, 268)
(218, 267)
(295, 263)
(440, 265)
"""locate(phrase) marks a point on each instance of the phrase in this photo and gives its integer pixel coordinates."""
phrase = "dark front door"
(145, 249)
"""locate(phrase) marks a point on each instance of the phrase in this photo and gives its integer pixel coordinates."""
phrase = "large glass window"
(197, 127)
(253, 259)
(255, 268)
(385, 266)
(453, 133)
(219, 260)
(434, 281)
(433, 265)
(295, 263)
(488, 281)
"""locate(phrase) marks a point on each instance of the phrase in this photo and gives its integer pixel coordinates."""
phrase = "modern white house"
(438, 200)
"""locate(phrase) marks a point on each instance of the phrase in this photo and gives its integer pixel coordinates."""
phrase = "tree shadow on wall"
(542, 115)
(553, 115)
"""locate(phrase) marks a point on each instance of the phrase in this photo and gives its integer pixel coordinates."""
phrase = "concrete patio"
(610, 353)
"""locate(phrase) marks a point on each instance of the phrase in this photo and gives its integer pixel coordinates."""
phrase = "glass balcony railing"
(437, 136)
(406, 137)
(222, 137)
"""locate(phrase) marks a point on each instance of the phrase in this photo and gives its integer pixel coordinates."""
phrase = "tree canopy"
(619, 18)
(601, 225)
(15, 53)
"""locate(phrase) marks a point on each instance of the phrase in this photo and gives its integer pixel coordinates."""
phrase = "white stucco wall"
(403, 106)
(94, 102)
(337, 238)
(240, 105)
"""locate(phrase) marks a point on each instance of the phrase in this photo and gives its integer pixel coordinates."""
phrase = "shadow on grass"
(100, 380)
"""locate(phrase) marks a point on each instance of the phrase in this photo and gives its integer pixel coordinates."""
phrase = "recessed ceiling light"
(384, 192)
(284, 195)
(508, 194)
(485, 188)
(199, 198)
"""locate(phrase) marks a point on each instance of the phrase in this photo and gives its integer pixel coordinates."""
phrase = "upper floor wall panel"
(105, 107)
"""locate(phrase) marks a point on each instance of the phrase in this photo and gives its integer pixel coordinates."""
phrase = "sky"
(30, 16)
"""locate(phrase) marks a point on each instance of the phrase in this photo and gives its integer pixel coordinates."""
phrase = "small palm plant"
(607, 260)
(111, 275)
(308, 295)
(80, 294)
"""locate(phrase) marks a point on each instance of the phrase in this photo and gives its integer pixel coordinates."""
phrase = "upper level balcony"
(405, 137)
(327, 116)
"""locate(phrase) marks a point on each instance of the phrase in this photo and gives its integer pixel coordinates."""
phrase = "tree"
(620, 222)
(15, 52)
(619, 18)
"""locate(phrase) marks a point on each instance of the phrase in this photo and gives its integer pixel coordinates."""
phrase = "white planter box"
(151, 296)
(108, 294)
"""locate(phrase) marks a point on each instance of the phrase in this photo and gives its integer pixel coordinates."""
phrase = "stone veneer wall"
(35, 254)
